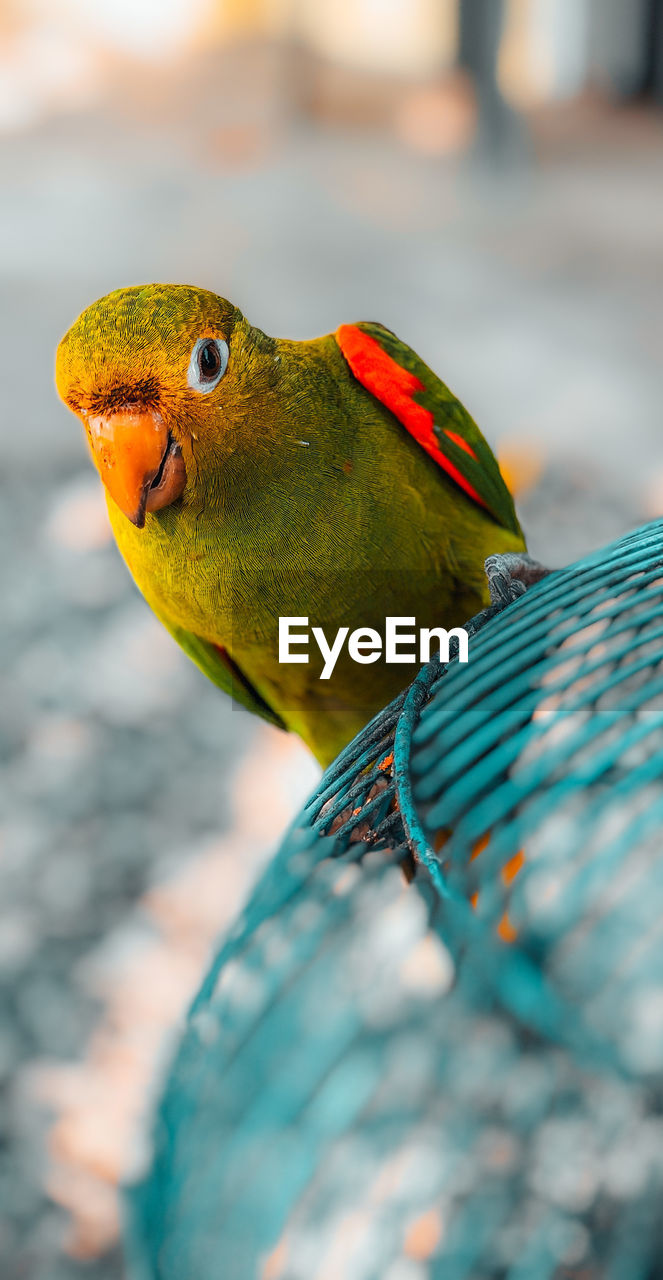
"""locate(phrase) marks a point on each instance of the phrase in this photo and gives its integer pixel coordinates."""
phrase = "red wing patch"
(462, 444)
(394, 387)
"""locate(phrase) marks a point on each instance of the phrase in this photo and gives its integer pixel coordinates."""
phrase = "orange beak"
(139, 462)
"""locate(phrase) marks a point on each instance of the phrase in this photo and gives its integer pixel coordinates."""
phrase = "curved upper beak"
(139, 463)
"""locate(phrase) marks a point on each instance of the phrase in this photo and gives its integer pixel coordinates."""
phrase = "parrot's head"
(167, 381)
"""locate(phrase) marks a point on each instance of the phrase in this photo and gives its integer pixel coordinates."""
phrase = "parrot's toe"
(509, 575)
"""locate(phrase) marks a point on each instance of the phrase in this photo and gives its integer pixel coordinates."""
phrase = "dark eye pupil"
(209, 360)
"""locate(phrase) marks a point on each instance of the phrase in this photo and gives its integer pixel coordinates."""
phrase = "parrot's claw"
(509, 575)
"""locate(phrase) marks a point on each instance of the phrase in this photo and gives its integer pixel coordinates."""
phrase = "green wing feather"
(219, 667)
(481, 472)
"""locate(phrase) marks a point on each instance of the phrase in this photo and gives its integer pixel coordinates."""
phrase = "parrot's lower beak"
(139, 462)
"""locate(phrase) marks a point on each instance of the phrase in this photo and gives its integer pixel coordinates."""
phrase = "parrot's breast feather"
(432, 415)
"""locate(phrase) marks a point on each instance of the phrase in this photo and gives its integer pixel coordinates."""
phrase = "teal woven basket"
(433, 1044)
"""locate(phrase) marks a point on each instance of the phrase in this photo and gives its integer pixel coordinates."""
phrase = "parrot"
(250, 478)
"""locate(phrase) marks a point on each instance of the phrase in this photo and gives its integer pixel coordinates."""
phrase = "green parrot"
(336, 481)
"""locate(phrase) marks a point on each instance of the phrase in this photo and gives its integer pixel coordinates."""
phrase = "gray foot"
(509, 575)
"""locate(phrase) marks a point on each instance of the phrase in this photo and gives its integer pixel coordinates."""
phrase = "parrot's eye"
(207, 365)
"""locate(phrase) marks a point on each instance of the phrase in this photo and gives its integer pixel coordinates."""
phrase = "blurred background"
(485, 178)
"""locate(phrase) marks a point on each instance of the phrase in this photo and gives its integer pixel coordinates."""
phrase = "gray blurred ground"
(535, 292)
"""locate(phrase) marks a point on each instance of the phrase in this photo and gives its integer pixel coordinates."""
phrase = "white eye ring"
(208, 363)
